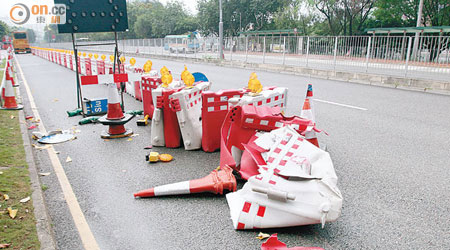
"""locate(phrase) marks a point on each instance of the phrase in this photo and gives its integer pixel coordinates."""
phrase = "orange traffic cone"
(215, 183)
(115, 118)
(9, 100)
(309, 96)
(9, 74)
(307, 113)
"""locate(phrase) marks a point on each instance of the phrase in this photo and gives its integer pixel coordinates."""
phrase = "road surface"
(390, 149)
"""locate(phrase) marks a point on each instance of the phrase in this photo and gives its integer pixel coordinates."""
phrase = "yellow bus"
(20, 42)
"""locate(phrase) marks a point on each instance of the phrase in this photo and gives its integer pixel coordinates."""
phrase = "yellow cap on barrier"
(254, 85)
(132, 61)
(96, 56)
(90, 55)
(111, 58)
(103, 57)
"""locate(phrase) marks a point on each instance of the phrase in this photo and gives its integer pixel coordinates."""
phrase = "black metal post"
(75, 51)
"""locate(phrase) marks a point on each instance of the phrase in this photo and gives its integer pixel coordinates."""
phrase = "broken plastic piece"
(153, 157)
(165, 157)
(74, 112)
(87, 120)
(135, 112)
(274, 244)
(57, 137)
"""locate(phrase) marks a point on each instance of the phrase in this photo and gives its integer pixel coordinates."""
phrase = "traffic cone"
(9, 74)
(9, 100)
(115, 118)
(307, 113)
(309, 96)
(215, 183)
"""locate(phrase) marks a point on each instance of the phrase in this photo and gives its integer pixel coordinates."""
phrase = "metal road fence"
(401, 56)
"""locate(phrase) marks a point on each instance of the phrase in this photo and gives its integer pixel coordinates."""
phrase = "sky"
(190, 5)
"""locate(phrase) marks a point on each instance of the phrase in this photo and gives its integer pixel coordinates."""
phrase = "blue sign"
(95, 106)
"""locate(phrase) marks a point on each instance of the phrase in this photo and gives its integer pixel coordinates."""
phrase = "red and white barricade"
(214, 110)
(165, 130)
(241, 124)
(296, 185)
(82, 65)
(100, 67)
(137, 85)
(149, 82)
(270, 96)
(87, 63)
(188, 106)
(94, 68)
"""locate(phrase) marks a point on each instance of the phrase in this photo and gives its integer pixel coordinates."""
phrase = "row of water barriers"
(291, 181)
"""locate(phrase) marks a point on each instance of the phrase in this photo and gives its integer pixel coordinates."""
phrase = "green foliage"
(238, 15)
(294, 16)
(20, 232)
(403, 13)
(4, 29)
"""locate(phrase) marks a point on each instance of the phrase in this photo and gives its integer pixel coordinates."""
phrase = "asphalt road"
(391, 160)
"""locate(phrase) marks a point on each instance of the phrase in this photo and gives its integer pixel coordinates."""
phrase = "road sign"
(94, 16)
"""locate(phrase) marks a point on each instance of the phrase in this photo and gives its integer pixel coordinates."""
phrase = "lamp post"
(220, 31)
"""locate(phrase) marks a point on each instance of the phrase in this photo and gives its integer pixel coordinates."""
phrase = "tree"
(403, 13)
(294, 16)
(4, 29)
(344, 17)
(238, 15)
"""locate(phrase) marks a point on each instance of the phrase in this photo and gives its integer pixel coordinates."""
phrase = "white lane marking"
(341, 104)
(84, 231)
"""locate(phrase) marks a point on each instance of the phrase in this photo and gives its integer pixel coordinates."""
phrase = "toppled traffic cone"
(215, 183)
(9, 101)
(307, 113)
(115, 118)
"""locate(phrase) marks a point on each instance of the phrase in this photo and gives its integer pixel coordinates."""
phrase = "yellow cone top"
(84, 54)
(96, 56)
(184, 72)
(90, 55)
(189, 79)
(132, 61)
(164, 70)
(149, 62)
(166, 77)
(79, 53)
(122, 59)
(103, 57)
(147, 68)
(254, 85)
(111, 58)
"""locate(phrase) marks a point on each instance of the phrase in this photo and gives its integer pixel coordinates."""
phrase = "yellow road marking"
(84, 231)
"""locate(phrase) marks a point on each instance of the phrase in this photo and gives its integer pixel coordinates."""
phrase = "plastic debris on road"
(262, 236)
(57, 136)
(165, 157)
(296, 184)
(68, 159)
(274, 244)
